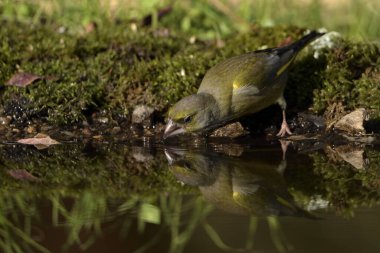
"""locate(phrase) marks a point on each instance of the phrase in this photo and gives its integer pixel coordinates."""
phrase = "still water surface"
(208, 197)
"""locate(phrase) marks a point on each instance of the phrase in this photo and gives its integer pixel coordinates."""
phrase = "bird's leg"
(284, 125)
(284, 147)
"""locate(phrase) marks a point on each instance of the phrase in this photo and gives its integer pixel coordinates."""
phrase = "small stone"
(141, 154)
(230, 149)
(136, 130)
(86, 131)
(97, 137)
(143, 114)
(5, 120)
(45, 128)
(115, 130)
(31, 130)
(352, 122)
(15, 130)
(85, 123)
(103, 120)
(232, 130)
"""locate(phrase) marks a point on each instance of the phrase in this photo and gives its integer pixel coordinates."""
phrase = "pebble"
(103, 120)
(46, 128)
(115, 130)
(352, 122)
(31, 130)
(5, 120)
(141, 154)
(143, 114)
(86, 131)
(232, 130)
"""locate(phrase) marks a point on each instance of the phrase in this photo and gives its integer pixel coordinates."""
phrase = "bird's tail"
(304, 41)
(289, 52)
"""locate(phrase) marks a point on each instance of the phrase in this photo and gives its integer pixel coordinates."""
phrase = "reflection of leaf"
(23, 79)
(22, 175)
(40, 141)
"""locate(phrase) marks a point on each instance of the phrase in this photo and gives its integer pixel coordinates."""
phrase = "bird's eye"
(187, 119)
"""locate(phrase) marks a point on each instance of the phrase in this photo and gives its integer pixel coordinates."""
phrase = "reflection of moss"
(339, 183)
(111, 170)
(120, 171)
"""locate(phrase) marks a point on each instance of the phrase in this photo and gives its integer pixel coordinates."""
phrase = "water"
(249, 196)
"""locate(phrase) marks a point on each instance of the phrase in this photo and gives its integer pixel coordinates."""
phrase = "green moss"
(82, 72)
(337, 182)
(350, 78)
(116, 68)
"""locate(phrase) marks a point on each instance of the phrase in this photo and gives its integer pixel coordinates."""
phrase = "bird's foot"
(284, 130)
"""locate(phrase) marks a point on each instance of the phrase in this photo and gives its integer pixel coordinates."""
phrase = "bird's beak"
(172, 129)
(173, 155)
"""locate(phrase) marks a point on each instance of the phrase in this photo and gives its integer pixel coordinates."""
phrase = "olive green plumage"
(236, 87)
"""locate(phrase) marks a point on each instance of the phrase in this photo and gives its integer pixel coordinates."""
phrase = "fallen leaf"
(288, 40)
(40, 141)
(23, 79)
(22, 175)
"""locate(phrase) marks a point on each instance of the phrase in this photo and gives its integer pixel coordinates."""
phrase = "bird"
(237, 87)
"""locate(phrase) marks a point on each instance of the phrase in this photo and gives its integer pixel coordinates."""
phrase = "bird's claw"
(284, 130)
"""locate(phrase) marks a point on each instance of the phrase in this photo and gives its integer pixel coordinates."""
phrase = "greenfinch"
(237, 87)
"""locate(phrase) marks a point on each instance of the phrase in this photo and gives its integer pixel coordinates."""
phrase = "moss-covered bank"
(113, 69)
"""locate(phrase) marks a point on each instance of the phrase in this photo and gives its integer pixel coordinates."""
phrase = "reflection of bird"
(237, 87)
(251, 184)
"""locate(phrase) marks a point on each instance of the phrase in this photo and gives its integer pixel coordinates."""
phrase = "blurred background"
(207, 19)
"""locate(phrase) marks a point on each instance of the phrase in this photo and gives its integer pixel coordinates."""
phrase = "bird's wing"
(260, 73)
(236, 80)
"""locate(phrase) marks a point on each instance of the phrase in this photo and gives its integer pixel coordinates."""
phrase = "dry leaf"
(23, 79)
(287, 41)
(22, 175)
(40, 141)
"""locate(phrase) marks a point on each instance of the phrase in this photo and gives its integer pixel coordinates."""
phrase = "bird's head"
(191, 167)
(195, 113)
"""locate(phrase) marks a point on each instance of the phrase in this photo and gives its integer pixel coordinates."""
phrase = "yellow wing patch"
(283, 68)
(236, 85)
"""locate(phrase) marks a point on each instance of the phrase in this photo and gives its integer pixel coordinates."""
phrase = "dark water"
(202, 197)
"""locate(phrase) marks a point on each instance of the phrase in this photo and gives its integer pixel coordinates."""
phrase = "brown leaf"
(23, 79)
(288, 40)
(40, 141)
(22, 175)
